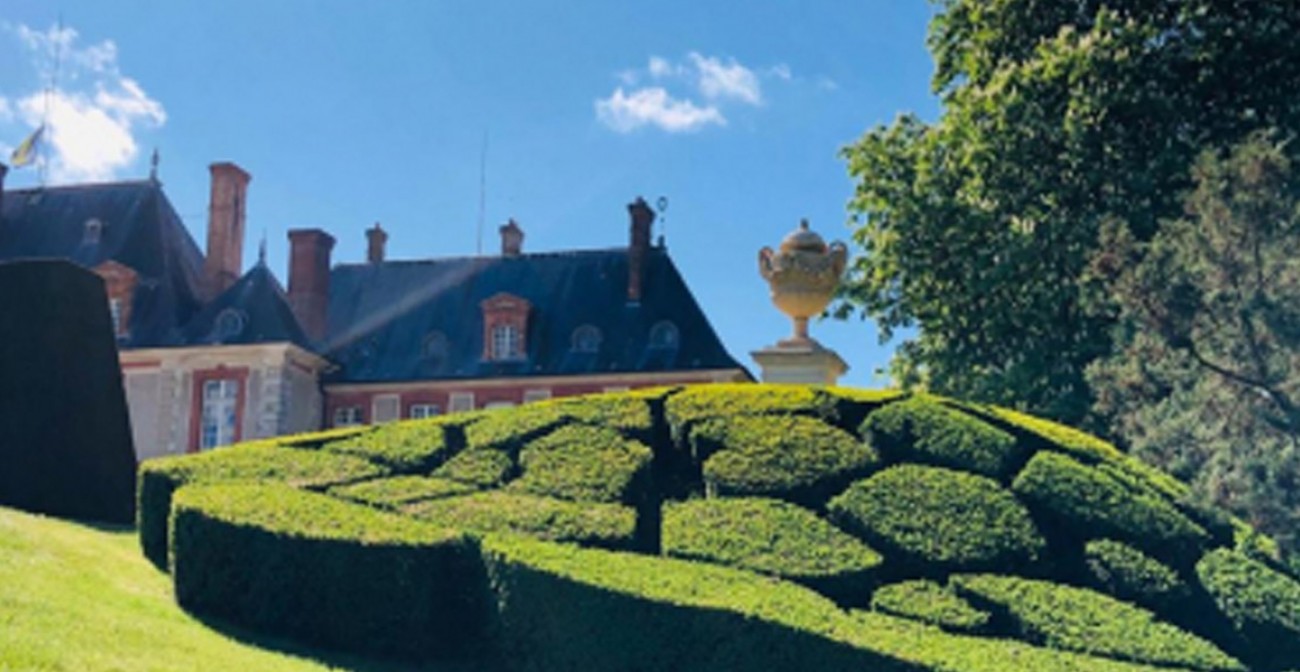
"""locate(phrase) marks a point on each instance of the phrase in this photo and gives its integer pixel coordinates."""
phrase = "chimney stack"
(309, 279)
(376, 238)
(638, 245)
(225, 253)
(512, 239)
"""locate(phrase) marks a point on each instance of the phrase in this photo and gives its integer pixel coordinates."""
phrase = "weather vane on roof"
(153, 166)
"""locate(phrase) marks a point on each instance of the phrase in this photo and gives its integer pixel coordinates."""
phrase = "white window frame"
(506, 342)
(219, 413)
(459, 402)
(539, 394)
(115, 314)
(347, 416)
(385, 408)
(419, 411)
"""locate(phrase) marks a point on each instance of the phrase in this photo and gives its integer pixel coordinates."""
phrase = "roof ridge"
(84, 185)
(491, 257)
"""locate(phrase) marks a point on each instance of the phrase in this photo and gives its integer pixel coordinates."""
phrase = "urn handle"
(765, 263)
(839, 258)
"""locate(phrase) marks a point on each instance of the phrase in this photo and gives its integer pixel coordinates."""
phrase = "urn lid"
(803, 240)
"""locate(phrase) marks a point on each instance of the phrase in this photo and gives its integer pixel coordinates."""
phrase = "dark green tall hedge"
(338, 575)
(935, 519)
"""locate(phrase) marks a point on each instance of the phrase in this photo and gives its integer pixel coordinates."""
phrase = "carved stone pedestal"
(794, 362)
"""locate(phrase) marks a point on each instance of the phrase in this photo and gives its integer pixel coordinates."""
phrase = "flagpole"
(49, 91)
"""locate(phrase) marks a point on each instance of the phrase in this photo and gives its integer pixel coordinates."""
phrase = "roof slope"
(140, 229)
(253, 310)
(385, 320)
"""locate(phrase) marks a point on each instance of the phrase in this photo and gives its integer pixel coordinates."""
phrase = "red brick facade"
(309, 279)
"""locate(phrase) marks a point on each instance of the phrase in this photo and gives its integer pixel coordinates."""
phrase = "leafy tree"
(1057, 115)
(1205, 379)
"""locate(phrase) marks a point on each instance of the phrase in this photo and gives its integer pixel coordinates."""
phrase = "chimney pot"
(512, 239)
(376, 238)
(638, 245)
(309, 279)
(226, 211)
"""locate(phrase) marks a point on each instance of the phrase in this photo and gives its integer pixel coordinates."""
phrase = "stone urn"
(803, 275)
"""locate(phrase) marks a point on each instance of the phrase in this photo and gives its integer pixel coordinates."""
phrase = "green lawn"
(82, 598)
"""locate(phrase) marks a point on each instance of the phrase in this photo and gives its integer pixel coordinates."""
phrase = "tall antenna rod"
(49, 89)
(482, 194)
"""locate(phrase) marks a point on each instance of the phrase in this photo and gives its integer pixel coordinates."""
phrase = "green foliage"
(1077, 619)
(1092, 503)
(771, 537)
(606, 525)
(481, 468)
(392, 493)
(1133, 576)
(925, 430)
(510, 429)
(787, 456)
(1205, 374)
(628, 413)
(929, 602)
(285, 562)
(259, 461)
(579, 462)
(406, 447)
(946, 519)
(721, 400)
(852, 404)
(320, 438)
(1262, 603)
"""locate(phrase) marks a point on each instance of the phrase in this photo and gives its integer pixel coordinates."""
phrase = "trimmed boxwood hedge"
(339, 575)
(568, 608)
(509, 429)
(604, 525)
(852, 405)
(787, 456)
(392, 493)
(1262, 603)
(261, 461)
(1078, 619)
(928, 602)
(579, 462)
(481, 468)
(322, 437)
(771, 537)
(724, 400)
(921, 429)
(628, 413)
(1129, 574)
(942, 518)
(1092, 502)
(411, 447)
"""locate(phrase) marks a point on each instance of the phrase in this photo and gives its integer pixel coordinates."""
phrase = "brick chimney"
(225, 256)
(512, 239)
(309, 279)
(376, 238)
(637, 247)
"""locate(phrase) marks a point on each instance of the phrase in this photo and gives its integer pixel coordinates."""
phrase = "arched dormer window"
(93, 233)
(586, 338)
(229, 324)
(664, 334)
(435, 347)
(505, 327)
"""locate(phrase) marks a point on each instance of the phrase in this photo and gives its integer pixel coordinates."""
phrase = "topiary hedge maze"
(722, 527)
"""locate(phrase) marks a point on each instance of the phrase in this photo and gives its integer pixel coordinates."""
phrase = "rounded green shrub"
(481, 468)
(786, 456)
(1078, 619)
(339, 575)
(939, 519)
(921, 429)
(1131, 575)
(725, 400)
(406, 447)
(1092, 502)
(580, 462)
(928, 602)
(771, 537)
(1262, 603)
(392, 493)
(605, 525)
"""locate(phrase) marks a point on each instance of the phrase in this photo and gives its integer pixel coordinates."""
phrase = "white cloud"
(95, 112)
(653, 106)
(781, 71)
(827, 84)
(726, 80)
(6, 113)
(660, 67)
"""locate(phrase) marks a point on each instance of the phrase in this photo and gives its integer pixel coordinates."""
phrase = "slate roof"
(415, 320)
(253, 310)
(140, 230)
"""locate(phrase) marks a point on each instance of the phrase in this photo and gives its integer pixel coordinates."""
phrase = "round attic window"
(664, 335)
(435, 347)
(229, 324)
(586, 338)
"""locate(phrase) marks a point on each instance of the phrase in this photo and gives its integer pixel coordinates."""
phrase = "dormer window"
(505, 327)
(93, 232)
(230, 324)
(586, 339)
(664, 335)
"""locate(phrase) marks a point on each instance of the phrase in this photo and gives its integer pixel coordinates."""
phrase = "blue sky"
(735, 112)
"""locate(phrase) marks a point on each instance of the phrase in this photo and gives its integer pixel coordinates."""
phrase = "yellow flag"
(25, 154)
